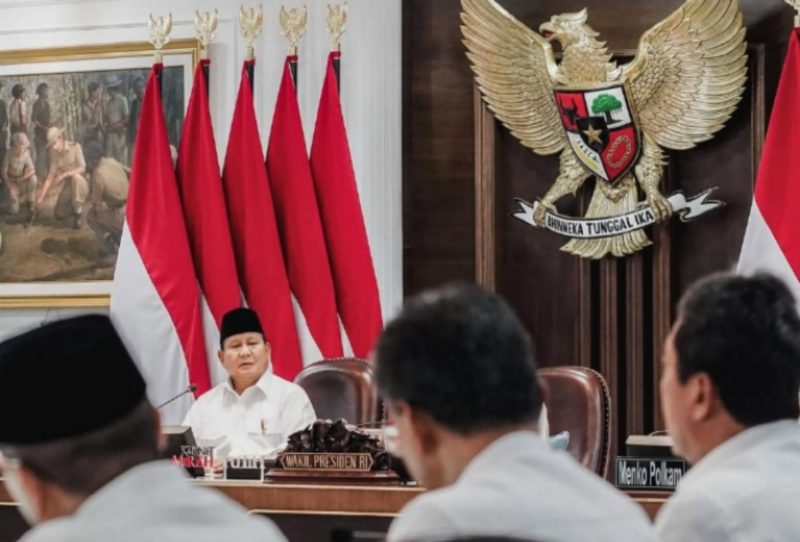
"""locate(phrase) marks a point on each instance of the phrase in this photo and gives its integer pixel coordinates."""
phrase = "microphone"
(189, 389)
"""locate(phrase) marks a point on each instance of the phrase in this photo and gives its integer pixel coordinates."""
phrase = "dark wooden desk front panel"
(376, 500)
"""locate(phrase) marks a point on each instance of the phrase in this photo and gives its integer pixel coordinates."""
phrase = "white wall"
(370, 87)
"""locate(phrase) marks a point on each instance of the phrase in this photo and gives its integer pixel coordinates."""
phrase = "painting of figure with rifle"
(66, 143)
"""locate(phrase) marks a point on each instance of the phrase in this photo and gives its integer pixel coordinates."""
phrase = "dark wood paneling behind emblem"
(461, 179)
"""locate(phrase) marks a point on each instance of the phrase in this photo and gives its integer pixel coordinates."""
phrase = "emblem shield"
(601, 129)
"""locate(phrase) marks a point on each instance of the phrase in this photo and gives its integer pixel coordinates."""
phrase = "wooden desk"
(651, 501)
(311, 511)
(317, 498)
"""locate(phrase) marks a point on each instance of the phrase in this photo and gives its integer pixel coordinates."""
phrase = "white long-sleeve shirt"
(155, 501)
(518, 487)
(745, 490)
(256, 423)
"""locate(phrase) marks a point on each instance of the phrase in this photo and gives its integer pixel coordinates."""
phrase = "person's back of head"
(456, 363)
(84, 417)
(731, 362)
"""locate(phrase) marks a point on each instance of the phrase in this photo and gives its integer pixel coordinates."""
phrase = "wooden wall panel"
(531, 267)
(438, 153)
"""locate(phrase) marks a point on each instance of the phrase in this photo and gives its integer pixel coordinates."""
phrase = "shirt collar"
(497, 451)
(261, 384)
(748, 439)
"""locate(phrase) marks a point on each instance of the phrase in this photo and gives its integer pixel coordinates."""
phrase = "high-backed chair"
(341, 388)
(578, 401)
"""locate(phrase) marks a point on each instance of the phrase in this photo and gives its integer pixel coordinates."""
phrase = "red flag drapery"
(354, 279)
(155, 300)
(299, 222)
(771, 241)
(203, 203)
(259, 257)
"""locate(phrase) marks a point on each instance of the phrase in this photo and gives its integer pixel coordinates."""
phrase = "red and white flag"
(343, 222)
(155, 301)
(772, 240)
(259, 257)
(299, 222)
(203, 203)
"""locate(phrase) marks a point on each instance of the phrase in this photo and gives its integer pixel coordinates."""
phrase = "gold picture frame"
(46, 262)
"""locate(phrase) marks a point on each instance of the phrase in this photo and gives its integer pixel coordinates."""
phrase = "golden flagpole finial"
(206, 26)
(796, 5)
(293, 22)
(250, 23)
(160, 28)
(337, 22)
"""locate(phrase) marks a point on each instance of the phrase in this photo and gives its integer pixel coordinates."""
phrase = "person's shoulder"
(692, 516)
(223, 515)
(296, 392)
(286, 386)
(55, 530)
(208, 397)
(426, 517)
(217, 390)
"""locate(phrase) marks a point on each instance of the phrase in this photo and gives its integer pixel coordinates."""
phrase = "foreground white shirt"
(746, 489)
(519, 488)
(256, 423)
(156, 501)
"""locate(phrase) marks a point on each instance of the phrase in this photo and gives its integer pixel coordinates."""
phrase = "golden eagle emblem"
(609, 121)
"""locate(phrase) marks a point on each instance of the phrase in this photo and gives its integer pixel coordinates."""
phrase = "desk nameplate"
(329, 466)
(327, 462)
(648, 473)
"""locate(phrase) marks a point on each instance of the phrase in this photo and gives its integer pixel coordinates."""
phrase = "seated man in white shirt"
(729, 384)
(458, 373)
(80, 447)
(254, 412)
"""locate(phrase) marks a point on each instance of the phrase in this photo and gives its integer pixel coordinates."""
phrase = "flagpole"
(293, 70)
(293, 21)
(337, 21)
(160, 28)
(205, 25)
(160, 80)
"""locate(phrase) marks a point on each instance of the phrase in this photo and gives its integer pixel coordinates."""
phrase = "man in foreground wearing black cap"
(83, 466)
(254, 411)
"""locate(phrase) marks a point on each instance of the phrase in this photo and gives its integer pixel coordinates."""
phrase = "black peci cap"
(237, 321)
(65, 379)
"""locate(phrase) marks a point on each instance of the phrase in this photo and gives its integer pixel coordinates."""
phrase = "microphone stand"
(189, 389)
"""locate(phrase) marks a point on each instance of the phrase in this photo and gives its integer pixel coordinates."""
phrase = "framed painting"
(68, 121)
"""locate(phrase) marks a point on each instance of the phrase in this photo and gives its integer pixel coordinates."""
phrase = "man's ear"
(426, 429)
(221, 357)
(34, 488)
(28, 480)
(703, 395)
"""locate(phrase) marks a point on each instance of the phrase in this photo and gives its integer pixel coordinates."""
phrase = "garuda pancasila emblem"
(608, 121)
